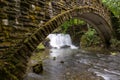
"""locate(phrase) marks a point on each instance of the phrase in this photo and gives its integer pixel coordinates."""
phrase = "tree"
(114, 6)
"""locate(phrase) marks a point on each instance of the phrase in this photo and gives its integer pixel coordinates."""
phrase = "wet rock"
(68, 73)
(54, 58)
(38, 68)
(46, 43)
(61, 61)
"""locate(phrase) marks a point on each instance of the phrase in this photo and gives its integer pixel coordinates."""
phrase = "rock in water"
(38, 68)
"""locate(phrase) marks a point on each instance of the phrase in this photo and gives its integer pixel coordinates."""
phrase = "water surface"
(76, 64)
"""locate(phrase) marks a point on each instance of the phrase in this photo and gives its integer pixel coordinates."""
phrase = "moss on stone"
(38, 68)
(6, 71)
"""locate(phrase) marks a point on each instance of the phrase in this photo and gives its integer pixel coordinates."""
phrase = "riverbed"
(75, 64)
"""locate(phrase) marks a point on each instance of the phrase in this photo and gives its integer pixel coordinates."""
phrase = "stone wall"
(18, 20)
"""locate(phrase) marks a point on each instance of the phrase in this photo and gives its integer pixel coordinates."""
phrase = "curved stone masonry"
(26, 23)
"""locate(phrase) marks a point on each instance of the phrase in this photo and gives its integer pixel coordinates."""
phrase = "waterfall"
(60, 40)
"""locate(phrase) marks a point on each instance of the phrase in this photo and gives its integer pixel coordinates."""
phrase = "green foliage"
(71, 22)
(115, 43)
(114, 6)
(90, 38)
(40, 46)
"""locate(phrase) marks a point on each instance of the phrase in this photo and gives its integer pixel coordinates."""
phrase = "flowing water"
(75, 64)
(60, 40)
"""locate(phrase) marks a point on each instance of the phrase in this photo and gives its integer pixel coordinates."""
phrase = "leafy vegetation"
(71, 22)
(90, 38)
(114, 6)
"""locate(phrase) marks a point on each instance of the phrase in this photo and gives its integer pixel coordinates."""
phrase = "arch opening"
(90, 16)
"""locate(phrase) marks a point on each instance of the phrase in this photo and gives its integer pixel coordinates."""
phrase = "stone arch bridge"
(26, 23)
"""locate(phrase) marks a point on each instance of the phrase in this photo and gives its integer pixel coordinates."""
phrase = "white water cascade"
(61, 40)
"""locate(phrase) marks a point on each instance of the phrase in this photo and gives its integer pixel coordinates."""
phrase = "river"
(75, 64)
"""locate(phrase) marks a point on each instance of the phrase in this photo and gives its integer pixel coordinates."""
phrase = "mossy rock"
(38, 68)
